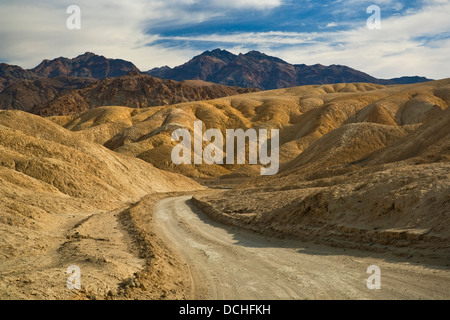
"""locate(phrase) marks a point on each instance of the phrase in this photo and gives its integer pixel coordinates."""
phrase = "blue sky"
(414, 38)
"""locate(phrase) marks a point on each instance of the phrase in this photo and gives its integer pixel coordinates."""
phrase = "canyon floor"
(164, 247)
(227, 262)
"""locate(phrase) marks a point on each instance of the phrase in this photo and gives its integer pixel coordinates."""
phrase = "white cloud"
(398, 6)
(31, 31)
(404, 45)
(399, 47)
(256, 4)
(270, 37)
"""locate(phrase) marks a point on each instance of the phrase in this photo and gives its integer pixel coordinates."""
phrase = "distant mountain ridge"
(34, 89)
(258, 70)
(11, 73)
(65, 86)
(87, 65)
(251, 70)
(133, 90)
(28, 93)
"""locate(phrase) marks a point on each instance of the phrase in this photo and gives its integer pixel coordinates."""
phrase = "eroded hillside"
(361, 164)
(68, 201)
(354, 119)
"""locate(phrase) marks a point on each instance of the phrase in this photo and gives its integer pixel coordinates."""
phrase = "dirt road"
(230, 263)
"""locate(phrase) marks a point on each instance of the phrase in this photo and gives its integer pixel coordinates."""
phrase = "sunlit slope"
(44, 165)
(367, 117)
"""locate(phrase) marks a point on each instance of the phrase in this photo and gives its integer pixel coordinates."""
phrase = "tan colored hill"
(359, 118)
(362, 165)
(66, 200)
(374, 186)
(76, 167)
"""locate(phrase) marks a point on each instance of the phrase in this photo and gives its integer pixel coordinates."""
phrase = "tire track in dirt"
(230, 263)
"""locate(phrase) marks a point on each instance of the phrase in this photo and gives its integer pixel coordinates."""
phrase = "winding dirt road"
(231, 263)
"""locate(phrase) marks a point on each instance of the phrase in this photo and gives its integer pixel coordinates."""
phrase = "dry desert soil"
(364, 180)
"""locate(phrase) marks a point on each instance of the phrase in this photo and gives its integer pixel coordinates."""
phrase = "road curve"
(230, 263)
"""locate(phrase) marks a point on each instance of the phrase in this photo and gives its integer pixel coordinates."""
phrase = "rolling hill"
(362, 166)
(362, 118)
(360, 163)
(68, 201)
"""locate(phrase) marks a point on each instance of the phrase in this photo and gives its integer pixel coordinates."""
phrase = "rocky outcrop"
(133, 90)
(25, 94)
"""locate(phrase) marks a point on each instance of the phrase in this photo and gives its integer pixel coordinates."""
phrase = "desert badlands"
(363, 179)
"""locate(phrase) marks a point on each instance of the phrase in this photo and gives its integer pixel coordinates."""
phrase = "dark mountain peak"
(262, 56)
(9, 69)
(199, 67)
(87, 65)
(408, 80)
(256, 54)
(218, 51)
(88, 54)
(255, 69)
(220, 54)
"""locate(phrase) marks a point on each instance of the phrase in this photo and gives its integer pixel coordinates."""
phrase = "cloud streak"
(270, 37)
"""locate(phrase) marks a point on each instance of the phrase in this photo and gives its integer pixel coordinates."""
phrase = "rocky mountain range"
(258, 70)
(28, 93)
(22, 89)
(133, 90)
(10, 74)
(64, 86)
(87, 65)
